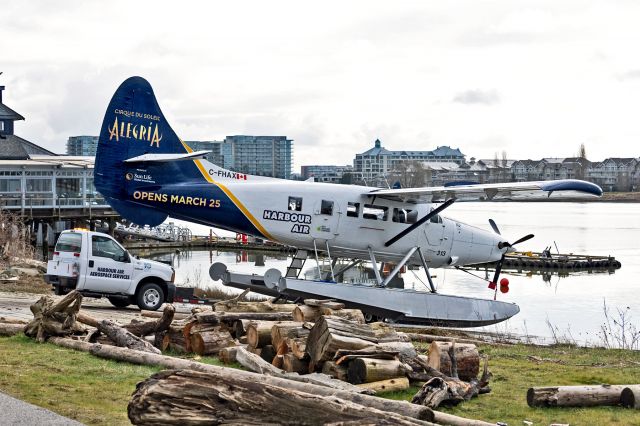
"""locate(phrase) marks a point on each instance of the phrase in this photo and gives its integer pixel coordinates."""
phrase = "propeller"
(501, 245)
(420, 221)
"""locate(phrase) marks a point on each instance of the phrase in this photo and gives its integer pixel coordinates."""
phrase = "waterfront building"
(13, 147)
(85, 146)
(328, 174)
(375, 164)
(616, 174)
(82, 146)
(36, 183)
(259, 155)
(214, 148)
(255, 155)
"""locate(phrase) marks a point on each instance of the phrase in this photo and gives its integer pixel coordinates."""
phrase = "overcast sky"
(532, 78)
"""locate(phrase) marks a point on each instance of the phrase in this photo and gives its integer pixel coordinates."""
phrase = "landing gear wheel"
(119, 302)
(150, 297)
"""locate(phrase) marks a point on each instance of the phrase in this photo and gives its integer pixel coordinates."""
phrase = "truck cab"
(97, 265)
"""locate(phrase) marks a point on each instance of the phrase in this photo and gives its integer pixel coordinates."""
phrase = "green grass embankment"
(96, 391)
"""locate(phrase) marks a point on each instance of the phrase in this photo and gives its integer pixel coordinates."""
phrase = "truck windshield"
(69, 242)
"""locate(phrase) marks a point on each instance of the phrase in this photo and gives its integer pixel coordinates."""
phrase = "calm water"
(573, 305)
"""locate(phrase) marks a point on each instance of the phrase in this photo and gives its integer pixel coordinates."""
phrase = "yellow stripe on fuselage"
(232, 197)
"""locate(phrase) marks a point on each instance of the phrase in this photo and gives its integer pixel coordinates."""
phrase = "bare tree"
(582, 152)
(504, 159)
(409, 174)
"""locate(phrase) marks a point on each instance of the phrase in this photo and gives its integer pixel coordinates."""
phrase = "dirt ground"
(16, 304)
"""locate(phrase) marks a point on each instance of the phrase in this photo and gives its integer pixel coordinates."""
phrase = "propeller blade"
(420, 222)
(523, 239)
(496, 275)
(494, 226)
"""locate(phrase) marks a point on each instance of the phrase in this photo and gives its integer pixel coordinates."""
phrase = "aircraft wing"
(565, 188)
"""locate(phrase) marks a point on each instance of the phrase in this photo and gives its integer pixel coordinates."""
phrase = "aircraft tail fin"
(133, 127)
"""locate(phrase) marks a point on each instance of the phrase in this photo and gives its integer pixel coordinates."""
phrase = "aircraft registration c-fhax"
(147, 173)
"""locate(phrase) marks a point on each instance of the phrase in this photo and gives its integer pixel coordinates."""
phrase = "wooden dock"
(535, 261)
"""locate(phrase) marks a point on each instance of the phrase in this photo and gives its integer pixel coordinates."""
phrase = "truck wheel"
(150, 297)
(119, 302)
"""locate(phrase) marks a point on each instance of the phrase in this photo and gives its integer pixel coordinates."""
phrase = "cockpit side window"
(404, 215)
(295, 204)
(435, 219)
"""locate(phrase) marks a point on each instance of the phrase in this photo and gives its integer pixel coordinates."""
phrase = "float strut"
(399, 266)
(374, 264)
(426, 269)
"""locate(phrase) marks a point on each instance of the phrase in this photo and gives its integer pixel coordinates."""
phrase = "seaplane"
(147, 174)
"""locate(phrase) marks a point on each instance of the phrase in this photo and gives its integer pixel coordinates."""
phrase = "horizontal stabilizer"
(163, 158)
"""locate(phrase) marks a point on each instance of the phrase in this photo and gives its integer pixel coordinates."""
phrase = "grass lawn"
(75, 384)
(96, 391)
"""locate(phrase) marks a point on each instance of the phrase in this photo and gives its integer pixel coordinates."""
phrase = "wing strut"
(420, 221)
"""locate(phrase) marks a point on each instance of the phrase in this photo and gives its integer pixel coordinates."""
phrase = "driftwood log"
(123, 338)
(146, 328)
(630, 396)
(182, 396)
(298, 347)
(211, 342)
(7, 329)
(259, 333)
(354, 315)
(228, 354)
(173, 339)
(145, 358)
(255, 307)
(231, 317)
(256, 364)
(574, 396)
(330, 334)
(388, 385)
(467, 359)
(156, 314)
(367, 370)
(240, 328)
(334, 370)
(442, 389)
(52, 318)
(291, 364)
(306, 313)
(280, 332)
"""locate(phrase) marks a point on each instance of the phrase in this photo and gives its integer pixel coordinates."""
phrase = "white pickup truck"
(98, 266)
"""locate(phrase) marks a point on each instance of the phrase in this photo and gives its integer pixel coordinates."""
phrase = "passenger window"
(353, 209)
(326, 207)
(404, 215)
(295, 204)
(374, 212)
(106, 247)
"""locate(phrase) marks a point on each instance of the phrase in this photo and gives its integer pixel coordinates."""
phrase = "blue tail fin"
(134, 125)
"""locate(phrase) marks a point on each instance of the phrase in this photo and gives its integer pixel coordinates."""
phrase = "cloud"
(629, 75)
(482, 97)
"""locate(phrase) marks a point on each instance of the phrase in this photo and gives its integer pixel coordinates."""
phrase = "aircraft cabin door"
(326, 217)
(434, 231)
